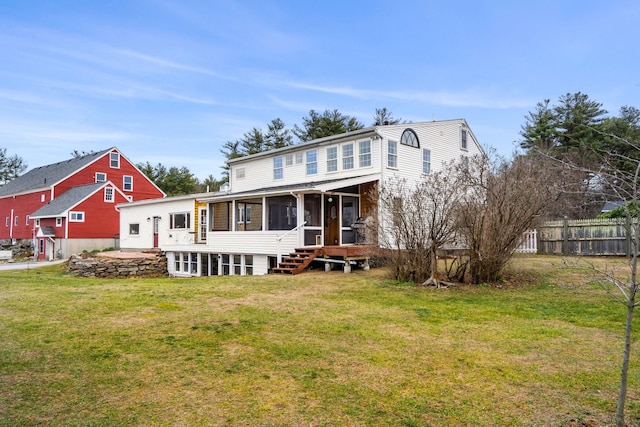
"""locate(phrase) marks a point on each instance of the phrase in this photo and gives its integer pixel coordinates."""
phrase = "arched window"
(409, 138)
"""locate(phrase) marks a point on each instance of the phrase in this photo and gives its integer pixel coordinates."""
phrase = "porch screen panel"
(282, 213)
(350, 213)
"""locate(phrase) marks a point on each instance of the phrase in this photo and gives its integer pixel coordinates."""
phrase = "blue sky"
(171, 81)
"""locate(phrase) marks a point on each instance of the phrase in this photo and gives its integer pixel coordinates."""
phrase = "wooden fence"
(586, 237)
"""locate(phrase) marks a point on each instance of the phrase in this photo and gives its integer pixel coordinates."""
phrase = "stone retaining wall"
(84, 266)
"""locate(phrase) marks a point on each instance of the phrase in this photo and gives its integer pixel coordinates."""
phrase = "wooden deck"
(348, 252)
(299, 260)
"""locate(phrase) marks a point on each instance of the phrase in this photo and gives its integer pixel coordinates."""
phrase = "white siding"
(138, 214)
(259, 171)
(441, 138)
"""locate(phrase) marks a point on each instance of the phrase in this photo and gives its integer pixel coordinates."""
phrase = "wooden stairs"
(297, 261)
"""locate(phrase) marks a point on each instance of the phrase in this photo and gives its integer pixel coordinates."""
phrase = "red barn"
(70, 206)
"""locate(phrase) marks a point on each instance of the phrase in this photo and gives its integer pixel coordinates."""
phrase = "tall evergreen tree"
(11, 166)
(330, 122)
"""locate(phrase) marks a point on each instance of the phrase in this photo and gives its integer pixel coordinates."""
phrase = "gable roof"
(44, 177)
(46, 231)
(67, 200)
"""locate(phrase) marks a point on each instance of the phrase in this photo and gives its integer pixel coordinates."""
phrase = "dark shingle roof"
(47, 230)
(67, 200)
(45, 176)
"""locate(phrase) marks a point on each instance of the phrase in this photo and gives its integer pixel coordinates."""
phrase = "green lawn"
(317, 349)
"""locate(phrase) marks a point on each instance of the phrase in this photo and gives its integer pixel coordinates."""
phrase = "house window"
(409, 138)
(180, 220)
(59, 222)
(463, 139)
(37, 224)
(277, 168)
(332, 159)
(392, 154)
(101, 177)
(248, 265)
(76, 216)
(42, 197)
(426, 161)
(237, 265)
(27, 221)
(127, 183)
(225, 264)
(134, 229)
(240, 173)
(177, 260)
(194, 263)
(299, 158)
(41, 246)
(288, 159)
(16, 220)
(6, 221)
(347, 156)
(114, 160)
(108, 195)
(244, 213)
(312, 162)
(364, 159)
(185, 262)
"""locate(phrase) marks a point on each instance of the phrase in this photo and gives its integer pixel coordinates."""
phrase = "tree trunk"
(622, 396)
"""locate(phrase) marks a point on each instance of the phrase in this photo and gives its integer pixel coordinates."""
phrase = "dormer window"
(114, 160)
(410, 138)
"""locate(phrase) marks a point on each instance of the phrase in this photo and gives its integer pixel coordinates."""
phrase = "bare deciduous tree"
(502, 200)
(416, 221)
(618, 174)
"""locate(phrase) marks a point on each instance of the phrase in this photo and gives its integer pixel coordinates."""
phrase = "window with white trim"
(59, 222)
(364, 158)
(426, 161)
(41, 246)
(288, 159)
(37, 222)
(463, 139)
(101, 177)
(347, 156)
(6, 221)
(108, 194)
(332, 159)
(392, 154)
(180, 220)
(312, 162)
(134, 229)
(27, 221)
(76, 216)
(42, 198)
(114, 160)
(127, 183)
(248, 265)
(16, 220)
(299, 158)
(240, 173)
(277, 168)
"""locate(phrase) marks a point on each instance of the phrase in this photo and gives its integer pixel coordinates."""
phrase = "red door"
(156, 227)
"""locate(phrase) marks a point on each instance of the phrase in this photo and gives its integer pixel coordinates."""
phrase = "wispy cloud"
(466, 98)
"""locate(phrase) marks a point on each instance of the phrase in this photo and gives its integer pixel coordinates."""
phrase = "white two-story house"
(308, 196)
